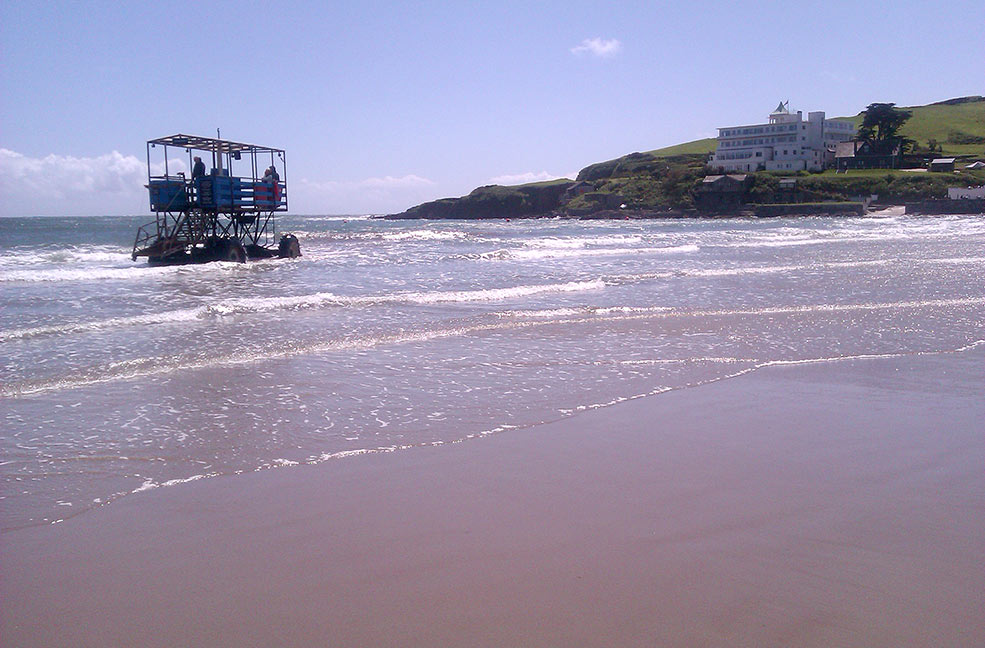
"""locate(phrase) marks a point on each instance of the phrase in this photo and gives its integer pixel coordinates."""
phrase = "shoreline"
(760, 212)
(475, 436)
(820, 504)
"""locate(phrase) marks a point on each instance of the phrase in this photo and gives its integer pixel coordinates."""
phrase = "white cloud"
(598, 47)
(113, 183)
(389, 182)
(525, 178)
(64, 185)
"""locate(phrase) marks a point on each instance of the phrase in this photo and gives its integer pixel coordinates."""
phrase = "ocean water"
(116, 377)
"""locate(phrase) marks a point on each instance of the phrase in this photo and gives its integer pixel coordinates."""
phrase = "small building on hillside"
(859, 154)
(942, 165)
(975, 165)
(786, 191)
(722, 191)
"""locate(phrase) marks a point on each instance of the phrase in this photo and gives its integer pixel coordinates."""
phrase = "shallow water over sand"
(118, 378)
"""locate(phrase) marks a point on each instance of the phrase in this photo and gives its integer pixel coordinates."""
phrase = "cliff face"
(495, 201)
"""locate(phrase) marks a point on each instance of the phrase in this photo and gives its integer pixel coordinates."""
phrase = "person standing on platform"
(271, 176)
(198, 171)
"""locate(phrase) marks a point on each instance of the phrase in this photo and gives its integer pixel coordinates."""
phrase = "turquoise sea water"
(116, 377)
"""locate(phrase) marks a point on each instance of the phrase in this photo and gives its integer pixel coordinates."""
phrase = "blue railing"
(222, 193)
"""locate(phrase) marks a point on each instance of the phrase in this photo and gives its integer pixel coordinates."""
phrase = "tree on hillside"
(881, 124)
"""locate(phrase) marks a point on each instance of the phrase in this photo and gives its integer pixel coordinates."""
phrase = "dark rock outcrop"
(495, 201)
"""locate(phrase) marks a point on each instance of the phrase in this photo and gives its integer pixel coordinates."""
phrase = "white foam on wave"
(956, 260)
(76, 255)
(581, 311)
(549, 312)
(737, 271)
(424, 235)
(342, 236)
(553, 242)
(337, 219)
(820, 266)
(121, 273)
(150, 484)
(183, 315)
(496, 294)
(615, 313)
(242, 305)
(536, 254)
(247, 305)
(78, 274)
(678, 361)
(889, 229)
(757, 270)
(820, 308)
(789, 242)
(264, 304)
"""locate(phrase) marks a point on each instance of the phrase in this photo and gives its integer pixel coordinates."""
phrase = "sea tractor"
(214, 215)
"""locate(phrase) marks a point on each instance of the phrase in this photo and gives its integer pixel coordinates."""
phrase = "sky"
(383, 105)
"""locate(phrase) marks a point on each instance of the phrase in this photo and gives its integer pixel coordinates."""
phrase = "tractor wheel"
(235, 252)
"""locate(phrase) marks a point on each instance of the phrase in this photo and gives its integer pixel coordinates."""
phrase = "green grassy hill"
(705, 146)
(958, 125)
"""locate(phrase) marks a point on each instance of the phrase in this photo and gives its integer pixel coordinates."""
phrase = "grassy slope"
(506, 190)
(937, 121)
(934, 121)
(697, 146)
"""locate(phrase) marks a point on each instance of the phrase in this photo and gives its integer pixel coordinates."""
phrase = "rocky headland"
(673, 182)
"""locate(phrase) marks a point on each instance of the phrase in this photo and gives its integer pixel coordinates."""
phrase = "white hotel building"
(786, 143)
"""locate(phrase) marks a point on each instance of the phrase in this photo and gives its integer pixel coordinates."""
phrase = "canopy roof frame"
(212, 145)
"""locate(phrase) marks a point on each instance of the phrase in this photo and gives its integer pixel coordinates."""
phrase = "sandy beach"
(834, 504)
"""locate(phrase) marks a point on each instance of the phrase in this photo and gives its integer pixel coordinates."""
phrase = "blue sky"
(382, 105)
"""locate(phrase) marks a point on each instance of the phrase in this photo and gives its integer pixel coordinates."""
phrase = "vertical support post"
(218, 153)
(284, 156)
(148, 174)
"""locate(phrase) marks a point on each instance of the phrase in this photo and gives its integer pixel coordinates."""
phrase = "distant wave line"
(148, 367)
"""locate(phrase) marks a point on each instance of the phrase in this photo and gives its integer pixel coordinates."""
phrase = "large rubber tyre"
(235, 252)
(289, 247)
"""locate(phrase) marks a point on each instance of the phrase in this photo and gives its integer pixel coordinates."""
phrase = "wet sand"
(838, 504)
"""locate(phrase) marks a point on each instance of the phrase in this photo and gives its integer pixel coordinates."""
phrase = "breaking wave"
(245, 305)
(537, 253)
